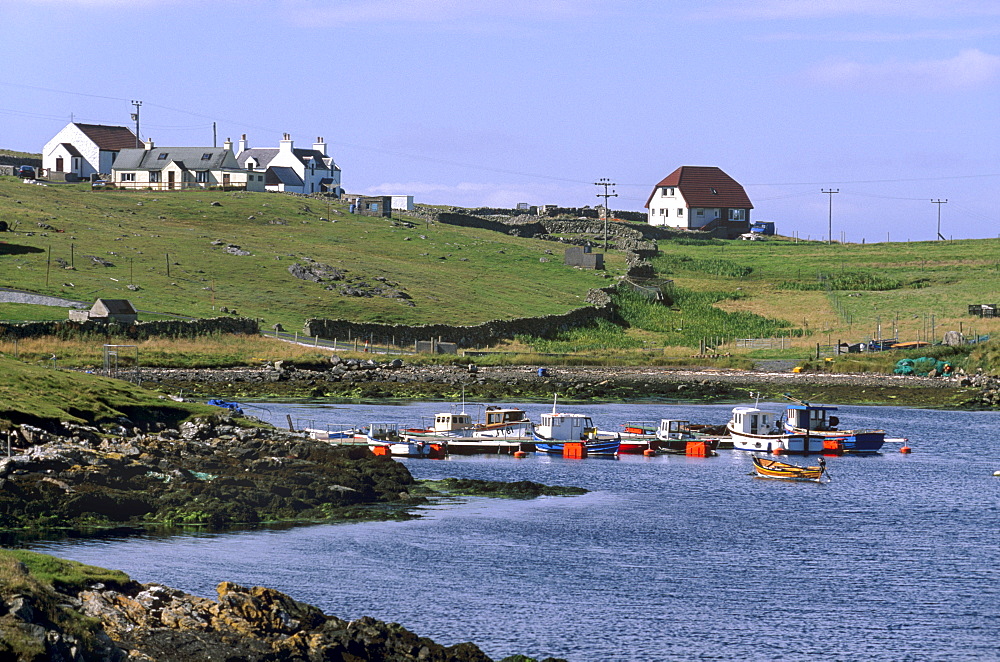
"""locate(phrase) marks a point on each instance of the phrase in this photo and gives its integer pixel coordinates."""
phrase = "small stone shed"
(107, 310)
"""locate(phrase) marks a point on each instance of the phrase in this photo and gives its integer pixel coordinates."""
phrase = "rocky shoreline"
(371, 378)
(215, 472)
(120, 620)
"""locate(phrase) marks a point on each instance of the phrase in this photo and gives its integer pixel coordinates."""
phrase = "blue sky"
(495, 102)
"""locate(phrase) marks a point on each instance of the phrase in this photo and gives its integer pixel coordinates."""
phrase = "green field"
(450, 274)
(170, 246)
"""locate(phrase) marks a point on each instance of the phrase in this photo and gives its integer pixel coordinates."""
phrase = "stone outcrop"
(155, 623)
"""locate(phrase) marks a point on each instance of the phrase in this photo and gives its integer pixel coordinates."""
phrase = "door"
(170, 179)
(59, 164)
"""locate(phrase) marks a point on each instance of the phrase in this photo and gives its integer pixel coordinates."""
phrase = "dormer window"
(206, 156)
(162, 156)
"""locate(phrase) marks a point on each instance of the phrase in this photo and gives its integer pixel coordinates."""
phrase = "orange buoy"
(778, 450)
(904, 449)
(649, 452)
(520, 454)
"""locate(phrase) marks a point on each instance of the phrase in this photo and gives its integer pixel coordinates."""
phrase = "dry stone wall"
(479, 335)
(135, 331)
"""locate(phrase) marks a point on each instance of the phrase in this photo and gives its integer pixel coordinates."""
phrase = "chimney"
(228, 145)
(320, 145)
(243, 144)
(149, 144)
(286, 144)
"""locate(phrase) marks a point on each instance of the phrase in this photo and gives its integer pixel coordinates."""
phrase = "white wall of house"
(63, 160)
(400, 202)
(87, 148)
(669, 208)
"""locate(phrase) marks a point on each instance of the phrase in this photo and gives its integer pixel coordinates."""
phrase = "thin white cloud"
(312, 12)
(810, 9)
(971, 68)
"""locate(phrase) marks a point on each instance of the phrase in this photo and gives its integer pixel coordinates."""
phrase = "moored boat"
(638, 437)
(675, 435)
(386, 439)
(555, 430)
(768, 468)
(820, 421)
(753, 429)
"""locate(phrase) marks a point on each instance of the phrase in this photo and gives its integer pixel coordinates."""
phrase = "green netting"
(921, 367)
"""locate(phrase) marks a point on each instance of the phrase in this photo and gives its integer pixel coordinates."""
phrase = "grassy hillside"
(811, 292)
(450, 274)
(916, 291)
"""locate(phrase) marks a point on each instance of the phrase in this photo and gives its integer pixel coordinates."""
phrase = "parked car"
(26, 172)
(98, 183)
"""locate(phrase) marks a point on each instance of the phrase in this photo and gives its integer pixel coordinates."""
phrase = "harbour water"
(667, 558)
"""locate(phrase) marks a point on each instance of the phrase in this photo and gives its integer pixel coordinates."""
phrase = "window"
(737, 214)
(714, 192)
(206, 156)
(680, 211)
(664, 212)
(202, 176)
(667, 190)
(699, 212)
(154, 176)
(162, 156)
(127, 177)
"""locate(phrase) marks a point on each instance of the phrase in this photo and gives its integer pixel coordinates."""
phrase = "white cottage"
(291, 169)
(81, 150)
(177, 168)
(697, 196)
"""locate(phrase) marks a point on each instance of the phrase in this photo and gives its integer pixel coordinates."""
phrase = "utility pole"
(606, 183)
(830, 192)
(135, 117)
(939, 202)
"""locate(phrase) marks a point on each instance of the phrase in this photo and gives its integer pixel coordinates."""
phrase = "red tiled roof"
(109, 138)
(705, 186)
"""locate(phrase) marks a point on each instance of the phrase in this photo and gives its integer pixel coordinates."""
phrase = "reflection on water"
(668, 558)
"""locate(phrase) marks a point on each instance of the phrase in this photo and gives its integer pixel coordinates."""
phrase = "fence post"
(817, 351)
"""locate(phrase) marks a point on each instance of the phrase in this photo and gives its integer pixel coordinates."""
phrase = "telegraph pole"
(606, 183)
(135, 116)
(830, 192)
(939, 202)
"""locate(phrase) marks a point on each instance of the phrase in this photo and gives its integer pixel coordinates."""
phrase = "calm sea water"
(668, 558)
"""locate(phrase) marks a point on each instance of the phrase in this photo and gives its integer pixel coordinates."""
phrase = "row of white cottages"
(689, 197)
(84, 151)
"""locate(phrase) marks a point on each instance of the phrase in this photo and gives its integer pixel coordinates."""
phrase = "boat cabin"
(452, 422)
(673, 429)
(750, 420)
(384, 431)
(811, 417)
(496, 417)
(566, 427)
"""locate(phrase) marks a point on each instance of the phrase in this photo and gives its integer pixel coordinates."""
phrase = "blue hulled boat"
(556, 429)
(819, 421)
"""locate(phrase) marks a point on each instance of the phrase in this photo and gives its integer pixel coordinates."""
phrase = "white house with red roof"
(81, 150)
(699, 197)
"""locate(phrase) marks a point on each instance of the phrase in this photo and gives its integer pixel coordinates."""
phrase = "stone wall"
(136, 331)
(479, 335)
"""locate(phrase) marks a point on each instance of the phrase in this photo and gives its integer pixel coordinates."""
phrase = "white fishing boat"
(555, 430)
(387, 439)
(753, 429)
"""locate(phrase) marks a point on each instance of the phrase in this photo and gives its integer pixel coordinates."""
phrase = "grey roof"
(262, 155)
(189, 157)
(116, 306)
(283, 175)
